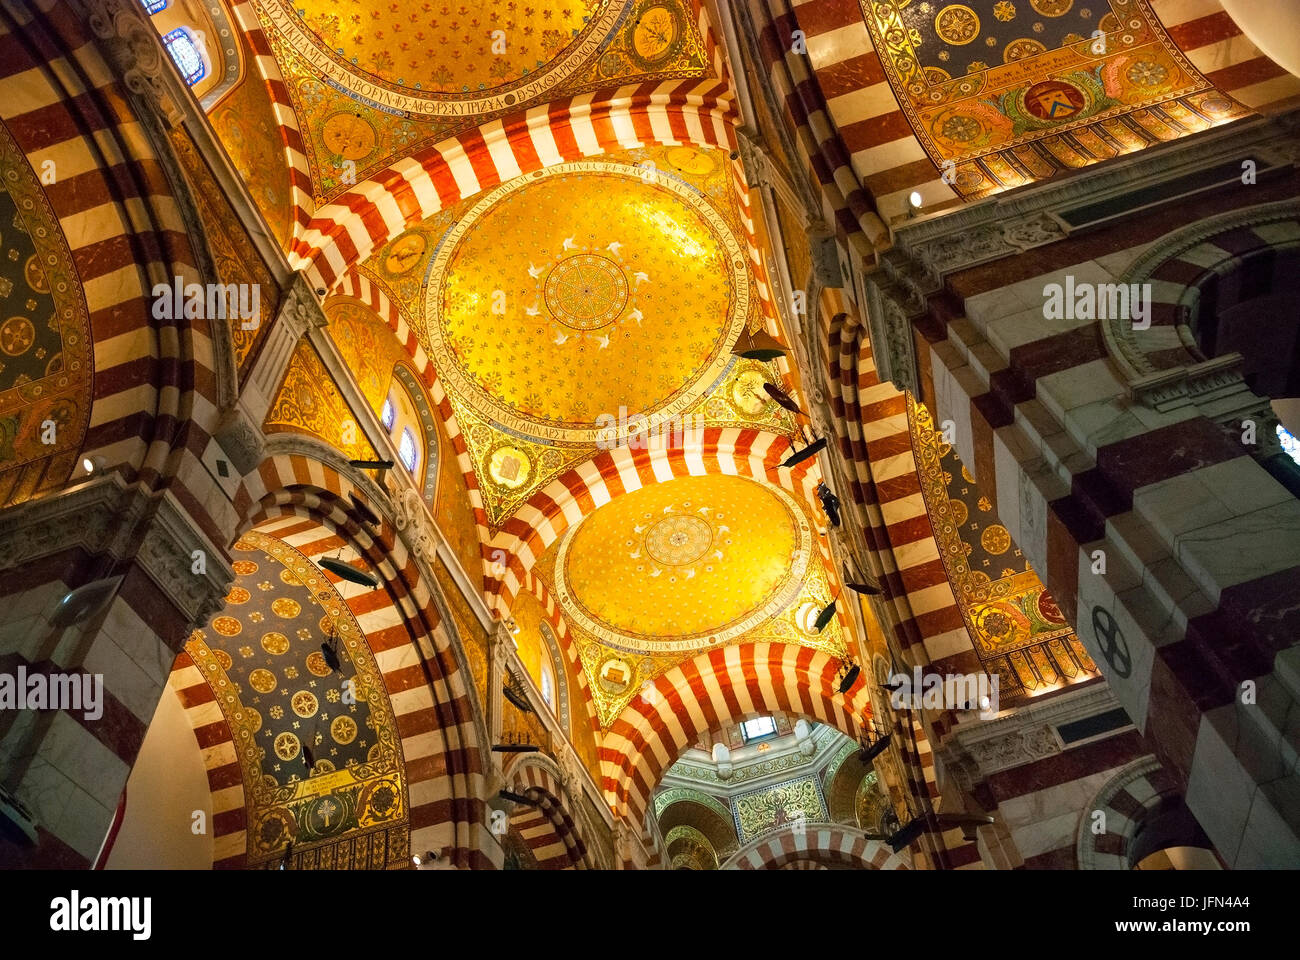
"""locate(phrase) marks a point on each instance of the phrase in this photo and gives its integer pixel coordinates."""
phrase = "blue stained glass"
(1290, 445)
(154, 6)
(180, 44)
(406, 449)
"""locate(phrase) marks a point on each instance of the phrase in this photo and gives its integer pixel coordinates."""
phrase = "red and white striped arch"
(549, 828)
(436, 711)
(295, 149)
(563, 502)
(534, 585)
(703, 96)
(817, 844)
(368, 293)
(154, 391)
(723, 684)
(216, 745)
(347, 230)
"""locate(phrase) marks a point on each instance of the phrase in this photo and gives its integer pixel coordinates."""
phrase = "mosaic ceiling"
(662, 573)
(372, 80)
(45, 360)
(318, 747)
(1018, 631)
(563, 305)
(308, 402)
(982, 81)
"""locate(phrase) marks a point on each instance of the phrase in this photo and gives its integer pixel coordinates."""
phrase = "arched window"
(184, 50)
(548, 688)
(406, 449)
(1290, 445)
(389, 413)
(154, 6)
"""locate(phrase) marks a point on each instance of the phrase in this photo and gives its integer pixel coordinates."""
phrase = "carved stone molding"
(133, 46)
(243, 443)
(1165, 387)
(410, 519)
(991, 241)
(890, 324)
(103, 516)
(167, 552)
(972, 751)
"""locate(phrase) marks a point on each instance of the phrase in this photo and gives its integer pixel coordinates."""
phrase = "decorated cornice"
(103, 516)
(927, 250)
(973, 751)
(133, 47)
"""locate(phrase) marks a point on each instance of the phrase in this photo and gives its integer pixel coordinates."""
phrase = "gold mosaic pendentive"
(771, 587)
(1015, 625)
(373, 792)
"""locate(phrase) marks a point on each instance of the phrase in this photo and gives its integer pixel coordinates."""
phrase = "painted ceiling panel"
(372, 81)
(666, 571)
(562, 305)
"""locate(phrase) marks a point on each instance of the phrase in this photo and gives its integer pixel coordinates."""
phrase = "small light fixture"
(346, 571)
(848, 676)
(427, 857)
(914, 202)
(814, 448)
(904, 836)
(372, 464)
(92, 465)
(759, 345)
(825, 616)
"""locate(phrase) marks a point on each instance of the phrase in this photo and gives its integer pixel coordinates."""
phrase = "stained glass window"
(406, 449)
(1290, 444)
(180, 44)
(154, 6)
(389, 414)
(548, 694)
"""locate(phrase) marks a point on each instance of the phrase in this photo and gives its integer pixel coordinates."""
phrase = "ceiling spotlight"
(760, 345)
(331, 656)
(782, 398)
(513, 797)
(348, 572)
(824, 617)
(850, 676)
(905, 835)
(914, 198)
(372, 464)
(969, 823)
(868, 589)
(92, 465)
(84, 602)
(874, 749)
(808, 452)
(366, 513)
